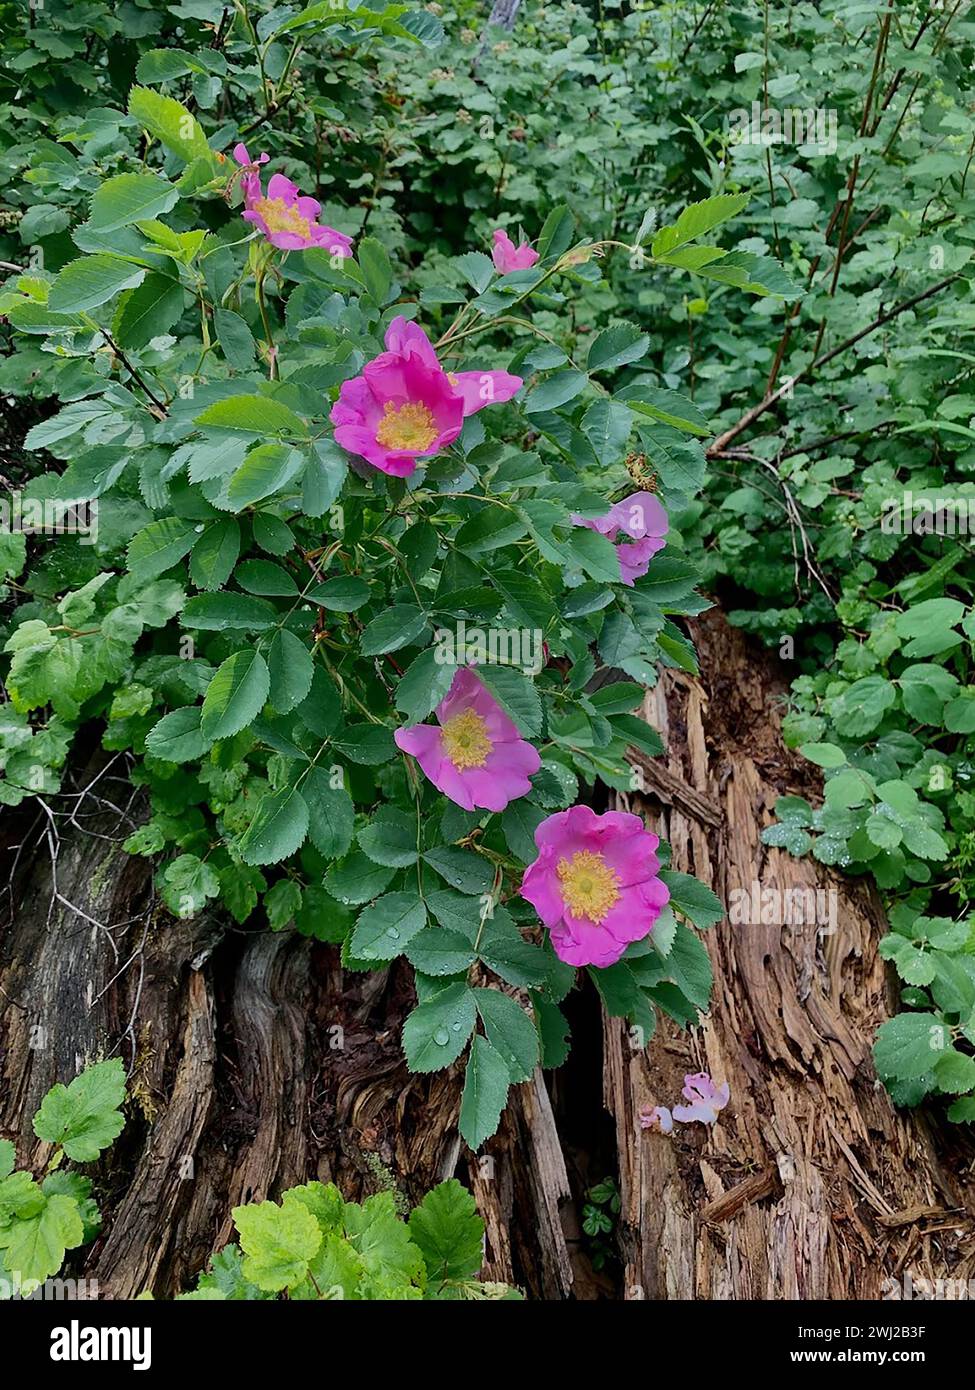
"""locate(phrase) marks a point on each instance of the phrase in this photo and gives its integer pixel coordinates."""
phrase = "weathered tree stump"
(810, 1185)
(256, 1062)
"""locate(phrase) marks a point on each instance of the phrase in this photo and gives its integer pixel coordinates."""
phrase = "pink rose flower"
(404, 406)
(594, 883)
(288, 220)
(475, 755)
(508, 257)
(659, 1118)
(706, 1099)
(639, 517)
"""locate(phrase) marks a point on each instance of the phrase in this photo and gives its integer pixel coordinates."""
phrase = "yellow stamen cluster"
(465, 740)
(409, 427)
(279, 217)
(589, 886)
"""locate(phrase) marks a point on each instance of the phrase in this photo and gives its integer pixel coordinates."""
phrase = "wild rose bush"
(375, 583)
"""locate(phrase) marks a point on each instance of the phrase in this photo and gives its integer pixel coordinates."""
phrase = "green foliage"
(40, 1220)
(312, 1245)
(258, 611)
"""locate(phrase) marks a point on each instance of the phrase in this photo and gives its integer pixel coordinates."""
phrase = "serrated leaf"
(449, 1232)
(384, 929)
(129, 198)
(85, 1116)
(278, 1242)
(87, 283)
(278, 829)
(235, 695)
(436, 1032)
(291, 670)
(510, 1031)
(486, 1086)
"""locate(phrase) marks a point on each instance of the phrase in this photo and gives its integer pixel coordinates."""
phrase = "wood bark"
(811, 1185)
(256, 1062)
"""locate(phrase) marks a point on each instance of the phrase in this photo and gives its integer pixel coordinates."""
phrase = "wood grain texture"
(256, 1062)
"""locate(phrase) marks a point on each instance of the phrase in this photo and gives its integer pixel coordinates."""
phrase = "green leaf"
(688, 965)
(697, 219)
(331, 814)
(438, 951)
(449, 1232)
(228, 612)
(510, 1031)
(344, 594)
(265, 470)
(267, 579)
(859, 709)
(170, 122)
(377, 272)
(390, 838)
(910, 1045)
(383, 930)
(962, 1111)
(504, 950)
(555, 391)
(186, 885)
(555, 238)
(519, 822)
(291, 670)
(467, 872)
(91, 281)
(236, 339)
(178, 738)
(357, 879)
(595, 554)
(278, 1242)
(424, 683)
(321, 710)
(607, 425)
(615, 347)
(516, 694)
(129, 198)
(693, 898)
(436, 1032)
(215, 554)
(261, 415)
(553, 1030)
(823, 754)
(955, 1072)
(366, 743)
(278, 829)
(159, 546)
(85, 1116)
(399, 626)
(36, 1245)
(235, 695)
(148, 311)
(486, 1087)
(669, 407)
(754, 274)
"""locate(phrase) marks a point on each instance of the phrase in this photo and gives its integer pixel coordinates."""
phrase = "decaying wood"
(810, 1185)
(256, 1062)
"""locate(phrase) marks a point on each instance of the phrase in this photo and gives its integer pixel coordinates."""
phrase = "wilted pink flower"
(594, 883)
(404, 406)
(250, 179)
(640, 517)
(288, 220)
(508, 257)
(659, 1118)
(476, 755)
(706, 1099)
